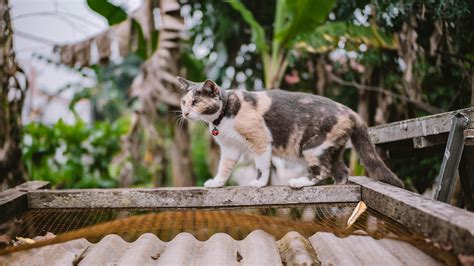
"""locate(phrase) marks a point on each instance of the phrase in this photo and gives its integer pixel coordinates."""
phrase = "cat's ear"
(210, 87)
(184, 83)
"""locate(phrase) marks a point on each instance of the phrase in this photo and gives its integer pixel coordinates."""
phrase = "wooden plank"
(14, 201)
(445, 224)
(418, 127)
(452, 157)
(33, 185)
(469, 137)
(423, 142)
(191, 197)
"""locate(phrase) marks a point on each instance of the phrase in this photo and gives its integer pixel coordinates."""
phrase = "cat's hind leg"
(319, 165)
(324, 159)
(339, 170)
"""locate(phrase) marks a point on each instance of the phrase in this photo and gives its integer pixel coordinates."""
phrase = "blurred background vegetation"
(386, 59)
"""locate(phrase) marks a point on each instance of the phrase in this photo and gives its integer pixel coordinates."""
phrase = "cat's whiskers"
(202, 124)
(179, 120)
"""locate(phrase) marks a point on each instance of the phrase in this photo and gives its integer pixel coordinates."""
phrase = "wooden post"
(14, 201)
(452, 157)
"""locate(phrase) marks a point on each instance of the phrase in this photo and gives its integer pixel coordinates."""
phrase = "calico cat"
(284, 124)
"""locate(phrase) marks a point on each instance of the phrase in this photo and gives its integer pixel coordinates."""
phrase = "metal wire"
(94, 224)
(166, 224)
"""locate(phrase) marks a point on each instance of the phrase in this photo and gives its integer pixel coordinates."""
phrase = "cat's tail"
(371, 160)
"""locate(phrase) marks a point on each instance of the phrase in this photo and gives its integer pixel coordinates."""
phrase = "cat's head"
(201, 101)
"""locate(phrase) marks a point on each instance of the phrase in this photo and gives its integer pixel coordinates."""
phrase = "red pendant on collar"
(215, 131)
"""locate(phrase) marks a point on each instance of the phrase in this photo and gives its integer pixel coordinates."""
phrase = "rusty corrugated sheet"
(258, 248)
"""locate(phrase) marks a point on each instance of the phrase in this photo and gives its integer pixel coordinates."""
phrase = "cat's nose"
(186, 114)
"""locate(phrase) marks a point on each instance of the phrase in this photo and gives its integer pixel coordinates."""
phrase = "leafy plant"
(298, 24)
(109, 96)
(114, 14)
(73, 156)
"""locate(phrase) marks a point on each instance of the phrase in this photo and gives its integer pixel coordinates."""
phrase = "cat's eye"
(183, 102)
(194, 102)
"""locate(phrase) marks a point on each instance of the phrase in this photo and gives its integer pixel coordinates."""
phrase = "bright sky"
(38, 24)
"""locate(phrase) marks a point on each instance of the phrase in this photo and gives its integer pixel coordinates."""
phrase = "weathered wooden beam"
(418, 127)
(14, 201)
(445, 224)
(423, 142)
(466, 176)
(191, 197)
(469, 137)
(452, 157)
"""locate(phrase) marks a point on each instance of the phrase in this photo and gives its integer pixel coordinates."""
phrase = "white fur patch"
(214, 182)
(312, 155)
(258, 183)
(300, 182)
(318, 151)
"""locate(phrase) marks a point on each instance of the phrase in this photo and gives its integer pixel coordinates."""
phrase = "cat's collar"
(215, 130)
(218, 120)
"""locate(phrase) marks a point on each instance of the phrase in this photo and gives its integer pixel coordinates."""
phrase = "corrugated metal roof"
(258, 248)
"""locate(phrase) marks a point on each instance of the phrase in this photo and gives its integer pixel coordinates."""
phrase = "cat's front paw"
(214, 183)
(257, 183)
(301, 182)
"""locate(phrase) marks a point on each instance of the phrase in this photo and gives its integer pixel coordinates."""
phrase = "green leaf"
(195, 68)
(85, 93)
(302, 16)
(141, 42)
(114, 14)
(326, 37)
(258, 33)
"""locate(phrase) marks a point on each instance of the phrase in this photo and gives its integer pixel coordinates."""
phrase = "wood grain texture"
(191, 197)
(445, 224)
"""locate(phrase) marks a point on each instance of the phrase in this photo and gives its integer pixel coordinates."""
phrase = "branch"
(421, 105)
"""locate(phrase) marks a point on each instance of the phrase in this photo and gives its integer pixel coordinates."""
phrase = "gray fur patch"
(250, 98)
(314, 115)
(316, 131)
(212, 109)
(232, 106)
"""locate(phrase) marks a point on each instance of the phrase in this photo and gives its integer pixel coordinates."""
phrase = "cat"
(285, 124)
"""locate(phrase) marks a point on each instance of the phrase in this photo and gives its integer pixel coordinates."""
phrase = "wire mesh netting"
(94, 224)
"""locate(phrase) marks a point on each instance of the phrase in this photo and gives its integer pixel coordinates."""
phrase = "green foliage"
(258, 33)
(142, 45)
(194, 67)
(200, 154)
(109, 97)
(114, 14)
(73, 156)
(300, 17)
(326, 37)
(421, 174)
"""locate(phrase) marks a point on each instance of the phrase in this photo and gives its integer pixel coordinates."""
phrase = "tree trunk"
(320, 75)
(409, 52)
(181, 158)
(11, 102)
